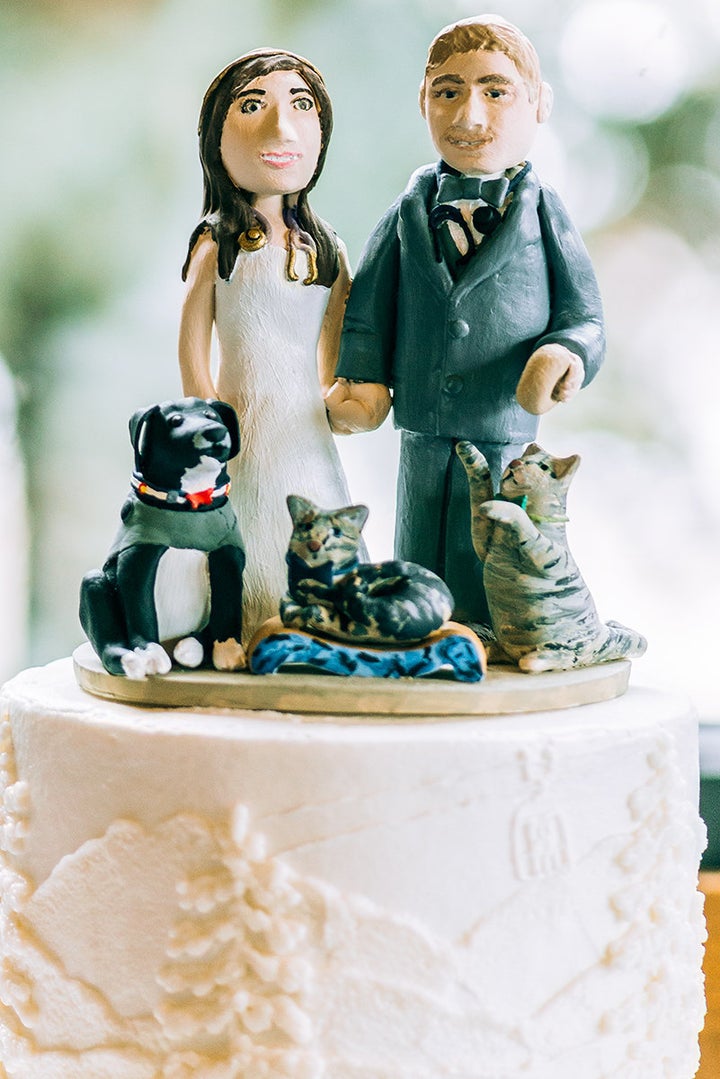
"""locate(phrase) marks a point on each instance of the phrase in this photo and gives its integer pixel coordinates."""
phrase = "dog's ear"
(228, 415)
(138, 426)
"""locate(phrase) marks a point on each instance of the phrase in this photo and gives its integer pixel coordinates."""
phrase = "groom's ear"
(545, 102)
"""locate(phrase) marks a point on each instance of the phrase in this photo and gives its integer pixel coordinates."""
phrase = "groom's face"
(479, 113)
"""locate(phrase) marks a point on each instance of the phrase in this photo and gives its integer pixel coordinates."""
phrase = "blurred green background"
(100, 188)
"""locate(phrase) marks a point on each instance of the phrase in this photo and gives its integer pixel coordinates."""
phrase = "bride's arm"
(196, 320)
(351, 406)
(329, 342)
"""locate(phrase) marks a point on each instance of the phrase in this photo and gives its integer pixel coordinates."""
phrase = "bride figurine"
(272, 279)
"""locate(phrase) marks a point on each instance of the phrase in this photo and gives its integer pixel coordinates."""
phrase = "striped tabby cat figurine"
(542, 613)
(330, 593)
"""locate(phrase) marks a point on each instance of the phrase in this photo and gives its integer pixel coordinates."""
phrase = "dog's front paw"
(157, 659)
(141, 662)
(229, 655)
(133, 666)
(189, 652)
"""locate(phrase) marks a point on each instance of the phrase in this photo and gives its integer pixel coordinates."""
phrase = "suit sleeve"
(368, 336)
(577, 318)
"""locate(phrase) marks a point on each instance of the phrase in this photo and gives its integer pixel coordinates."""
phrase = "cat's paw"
(471, 456)
(503, 512)
(291, 614)
(314, 614)
(556, 659)
(295, 616)
(478, 471)
(228, 655)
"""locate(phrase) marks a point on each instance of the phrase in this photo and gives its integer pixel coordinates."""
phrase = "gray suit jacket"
(453, 350)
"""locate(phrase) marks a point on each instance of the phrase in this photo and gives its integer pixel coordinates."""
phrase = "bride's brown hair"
(227, 209)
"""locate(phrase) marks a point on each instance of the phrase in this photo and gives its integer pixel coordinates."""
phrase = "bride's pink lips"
(280, 159)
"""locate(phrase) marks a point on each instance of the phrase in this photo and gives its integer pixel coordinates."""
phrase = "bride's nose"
(282, 122)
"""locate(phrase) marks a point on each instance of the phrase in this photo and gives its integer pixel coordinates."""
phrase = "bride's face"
(270, 141)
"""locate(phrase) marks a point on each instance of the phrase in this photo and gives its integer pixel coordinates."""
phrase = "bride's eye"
(250, 104)
(305, 104)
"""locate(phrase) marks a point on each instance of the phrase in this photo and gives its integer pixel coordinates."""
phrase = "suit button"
(454, 385)
(458, 328)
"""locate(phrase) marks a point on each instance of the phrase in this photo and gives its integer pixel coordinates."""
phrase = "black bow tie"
(485, 220)
(452, 187)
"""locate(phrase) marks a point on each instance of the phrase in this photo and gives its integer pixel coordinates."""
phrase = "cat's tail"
(621, 643)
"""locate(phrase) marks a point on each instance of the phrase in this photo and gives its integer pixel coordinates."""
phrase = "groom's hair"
(493, 34)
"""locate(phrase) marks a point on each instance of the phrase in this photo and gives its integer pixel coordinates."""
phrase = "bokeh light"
(624, 60)
(602, 173)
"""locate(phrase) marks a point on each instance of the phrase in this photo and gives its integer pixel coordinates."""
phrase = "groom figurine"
(475, 307)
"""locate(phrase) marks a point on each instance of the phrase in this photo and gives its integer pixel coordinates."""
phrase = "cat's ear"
(532, 449)
(356, 515)
(301, 509)
(566, 467)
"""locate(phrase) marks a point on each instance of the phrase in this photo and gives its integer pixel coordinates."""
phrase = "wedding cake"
(232, 893)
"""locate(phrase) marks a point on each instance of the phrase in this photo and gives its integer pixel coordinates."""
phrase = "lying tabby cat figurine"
(331, 593)
(542, 613)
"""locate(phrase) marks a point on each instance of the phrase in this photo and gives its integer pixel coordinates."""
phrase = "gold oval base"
(504, 691)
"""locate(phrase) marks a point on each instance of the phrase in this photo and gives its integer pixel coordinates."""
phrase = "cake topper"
(542, 613)
(175, 569)
(270, 278)
(475, 300)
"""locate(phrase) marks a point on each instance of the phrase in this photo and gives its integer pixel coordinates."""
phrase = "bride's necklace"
(255, 238)
(292, 248)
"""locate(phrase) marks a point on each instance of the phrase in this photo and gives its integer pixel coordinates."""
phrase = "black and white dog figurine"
(175, 570)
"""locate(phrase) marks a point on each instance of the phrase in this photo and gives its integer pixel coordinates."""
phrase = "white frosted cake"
(190, 894)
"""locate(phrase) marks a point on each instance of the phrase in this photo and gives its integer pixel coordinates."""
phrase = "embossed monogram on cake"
(540, 844)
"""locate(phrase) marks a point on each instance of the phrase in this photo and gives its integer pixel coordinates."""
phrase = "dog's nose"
(215, 432)
(212, 437)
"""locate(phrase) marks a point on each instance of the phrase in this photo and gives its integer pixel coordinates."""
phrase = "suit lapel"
(416, 238)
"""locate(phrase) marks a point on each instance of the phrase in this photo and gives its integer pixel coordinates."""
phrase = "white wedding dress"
(268, 329)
